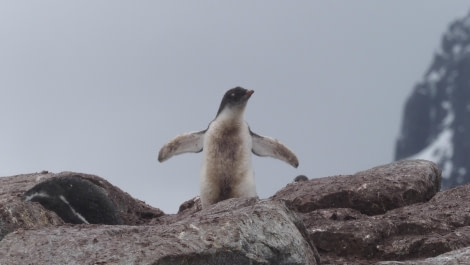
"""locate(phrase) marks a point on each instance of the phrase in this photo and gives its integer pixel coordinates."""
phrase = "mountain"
(436, 121)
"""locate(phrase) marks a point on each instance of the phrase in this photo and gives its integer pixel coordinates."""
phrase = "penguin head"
(235, 100)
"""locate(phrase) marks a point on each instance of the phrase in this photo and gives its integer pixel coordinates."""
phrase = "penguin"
(75, 200)
(227, 144)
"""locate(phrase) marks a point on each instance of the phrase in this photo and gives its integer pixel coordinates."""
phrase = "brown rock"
(193, 205)
(456, 257)
(235, 231)
(390, 214)
(429, 229)
(415, 231)
(371, 192)
(17, 214)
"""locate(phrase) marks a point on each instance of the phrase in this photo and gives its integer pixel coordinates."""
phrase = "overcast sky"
(99, 86)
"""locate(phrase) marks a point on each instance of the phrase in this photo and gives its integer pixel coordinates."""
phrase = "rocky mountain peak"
(436, 121)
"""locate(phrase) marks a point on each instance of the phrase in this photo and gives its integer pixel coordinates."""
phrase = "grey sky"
(99, 86)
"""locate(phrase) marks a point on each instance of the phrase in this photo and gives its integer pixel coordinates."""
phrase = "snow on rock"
(440, 151)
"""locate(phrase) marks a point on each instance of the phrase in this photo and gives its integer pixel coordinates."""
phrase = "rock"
(20, 215)
(15, 213)
(371, 192)
(415, 231)
(235, 231)
(391, 214)
(300, 178)
(193, 205)
(456, 257)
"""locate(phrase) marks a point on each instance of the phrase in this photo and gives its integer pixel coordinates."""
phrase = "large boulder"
(235, 231)
(390, 212)
(415, 231)
(374, 191)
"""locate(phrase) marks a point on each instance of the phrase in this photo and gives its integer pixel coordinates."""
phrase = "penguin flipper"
(183, 143)
(266, 146)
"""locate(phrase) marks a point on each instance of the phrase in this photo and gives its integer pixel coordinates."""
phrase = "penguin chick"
(227, 144)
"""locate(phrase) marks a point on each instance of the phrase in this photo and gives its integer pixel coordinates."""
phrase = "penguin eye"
(232, 95)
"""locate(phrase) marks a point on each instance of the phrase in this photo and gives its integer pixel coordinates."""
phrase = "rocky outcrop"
(436, 119)
(371, 192)
(391, 214)
(415, 231)
(456, 257)
(237, 231)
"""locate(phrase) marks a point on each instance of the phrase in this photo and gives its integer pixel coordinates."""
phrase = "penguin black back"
(75, 200)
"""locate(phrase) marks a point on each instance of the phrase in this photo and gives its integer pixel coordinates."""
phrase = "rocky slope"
(391, 214)
(436, 120)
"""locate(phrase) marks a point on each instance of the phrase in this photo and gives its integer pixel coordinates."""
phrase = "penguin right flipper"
(267, 146)
(183, 143)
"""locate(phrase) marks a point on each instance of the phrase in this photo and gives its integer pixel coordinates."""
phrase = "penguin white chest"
(227, 171)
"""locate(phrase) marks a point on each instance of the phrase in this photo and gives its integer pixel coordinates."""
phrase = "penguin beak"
(249, 93)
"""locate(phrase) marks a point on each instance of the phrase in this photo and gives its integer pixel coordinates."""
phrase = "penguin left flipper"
(183, 143)
(266, 146)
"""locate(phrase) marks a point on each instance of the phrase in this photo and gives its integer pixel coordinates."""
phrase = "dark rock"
(371, 192)
(193, 205)
(300, 178)
(436, 119)
(235, 231)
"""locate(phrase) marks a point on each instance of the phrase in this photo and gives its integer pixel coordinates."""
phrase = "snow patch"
(434, 76)
(456, 49)
(447, 169)
(462, 171)
(447, 121)
(440, 151)
(461, 175)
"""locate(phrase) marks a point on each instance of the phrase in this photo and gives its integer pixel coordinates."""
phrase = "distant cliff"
(436, 121)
